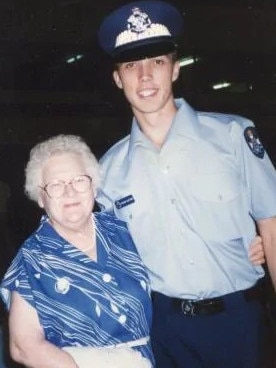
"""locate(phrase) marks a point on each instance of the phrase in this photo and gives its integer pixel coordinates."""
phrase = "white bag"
(115, 357)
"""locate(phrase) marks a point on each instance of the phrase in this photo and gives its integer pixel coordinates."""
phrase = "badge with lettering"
(125, 201)
(253, 142)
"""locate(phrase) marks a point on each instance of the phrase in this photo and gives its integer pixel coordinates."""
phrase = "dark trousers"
(231, 338)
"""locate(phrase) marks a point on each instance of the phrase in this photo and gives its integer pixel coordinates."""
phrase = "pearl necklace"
(93, 239)
(88, 248)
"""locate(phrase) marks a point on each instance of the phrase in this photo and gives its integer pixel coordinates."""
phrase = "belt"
(131, 344)
(191, 308)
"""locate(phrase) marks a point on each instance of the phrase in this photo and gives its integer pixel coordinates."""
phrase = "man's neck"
(156, 125)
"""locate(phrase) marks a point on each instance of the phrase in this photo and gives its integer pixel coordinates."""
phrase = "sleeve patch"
(253, 142)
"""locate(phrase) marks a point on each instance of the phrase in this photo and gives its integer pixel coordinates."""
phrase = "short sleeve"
(16, 279)
(257, 170)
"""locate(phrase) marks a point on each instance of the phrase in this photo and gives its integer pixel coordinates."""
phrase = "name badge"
(125, 201)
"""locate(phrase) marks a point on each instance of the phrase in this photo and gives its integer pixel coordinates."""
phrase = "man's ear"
(176, 69)
(117, 79)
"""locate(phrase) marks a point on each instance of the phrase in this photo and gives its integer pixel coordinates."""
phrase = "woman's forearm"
(41, 355)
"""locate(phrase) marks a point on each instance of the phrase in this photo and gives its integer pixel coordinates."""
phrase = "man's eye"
(130, 65)
(159, 61)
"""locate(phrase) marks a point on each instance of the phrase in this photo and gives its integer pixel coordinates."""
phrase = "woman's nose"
(69, 190)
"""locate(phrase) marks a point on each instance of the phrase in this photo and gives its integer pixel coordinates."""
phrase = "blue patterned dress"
(81, 302)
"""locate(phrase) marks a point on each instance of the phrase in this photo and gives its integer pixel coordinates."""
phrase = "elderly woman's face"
(71, 199)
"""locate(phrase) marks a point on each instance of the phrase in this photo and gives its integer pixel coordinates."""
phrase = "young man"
(192, 190)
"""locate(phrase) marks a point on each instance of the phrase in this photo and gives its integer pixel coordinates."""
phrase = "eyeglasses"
(56, 188)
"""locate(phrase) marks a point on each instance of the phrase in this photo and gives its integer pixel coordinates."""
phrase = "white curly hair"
(62, 143)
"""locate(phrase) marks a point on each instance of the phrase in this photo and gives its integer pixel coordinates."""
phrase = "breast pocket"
(219, 187)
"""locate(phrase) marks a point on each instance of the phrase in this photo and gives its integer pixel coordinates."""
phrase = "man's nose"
(145, 70)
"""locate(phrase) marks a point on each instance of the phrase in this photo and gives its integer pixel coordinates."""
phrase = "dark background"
(41, 94)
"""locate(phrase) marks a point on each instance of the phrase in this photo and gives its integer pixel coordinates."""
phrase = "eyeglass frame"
(65, 183)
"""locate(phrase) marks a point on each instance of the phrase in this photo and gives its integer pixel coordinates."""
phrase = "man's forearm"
(267, 229)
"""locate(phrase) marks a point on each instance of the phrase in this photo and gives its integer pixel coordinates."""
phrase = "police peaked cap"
(140, 29)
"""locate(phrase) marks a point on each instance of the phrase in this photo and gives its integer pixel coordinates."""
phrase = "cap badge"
(138, 21)
(139, 27)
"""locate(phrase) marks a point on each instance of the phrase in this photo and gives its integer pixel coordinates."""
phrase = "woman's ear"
(117, 79)
(40, 201)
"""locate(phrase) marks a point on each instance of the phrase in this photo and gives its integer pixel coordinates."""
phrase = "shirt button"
(166, 169)
(107, 277)
(62, 285)
(122, 318)
(191, 262)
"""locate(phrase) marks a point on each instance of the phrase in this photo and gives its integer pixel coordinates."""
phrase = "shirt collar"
(185, 124)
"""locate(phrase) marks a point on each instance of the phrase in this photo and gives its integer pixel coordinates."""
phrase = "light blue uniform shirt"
(191, 205)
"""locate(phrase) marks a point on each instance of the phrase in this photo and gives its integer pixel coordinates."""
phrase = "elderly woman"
(77, 292)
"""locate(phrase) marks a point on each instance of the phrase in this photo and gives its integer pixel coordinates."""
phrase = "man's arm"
(267, 229)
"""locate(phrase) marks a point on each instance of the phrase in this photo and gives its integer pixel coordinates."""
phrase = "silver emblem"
(138, 22)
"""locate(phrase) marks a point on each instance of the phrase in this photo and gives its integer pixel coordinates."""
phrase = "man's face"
(147, 83)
